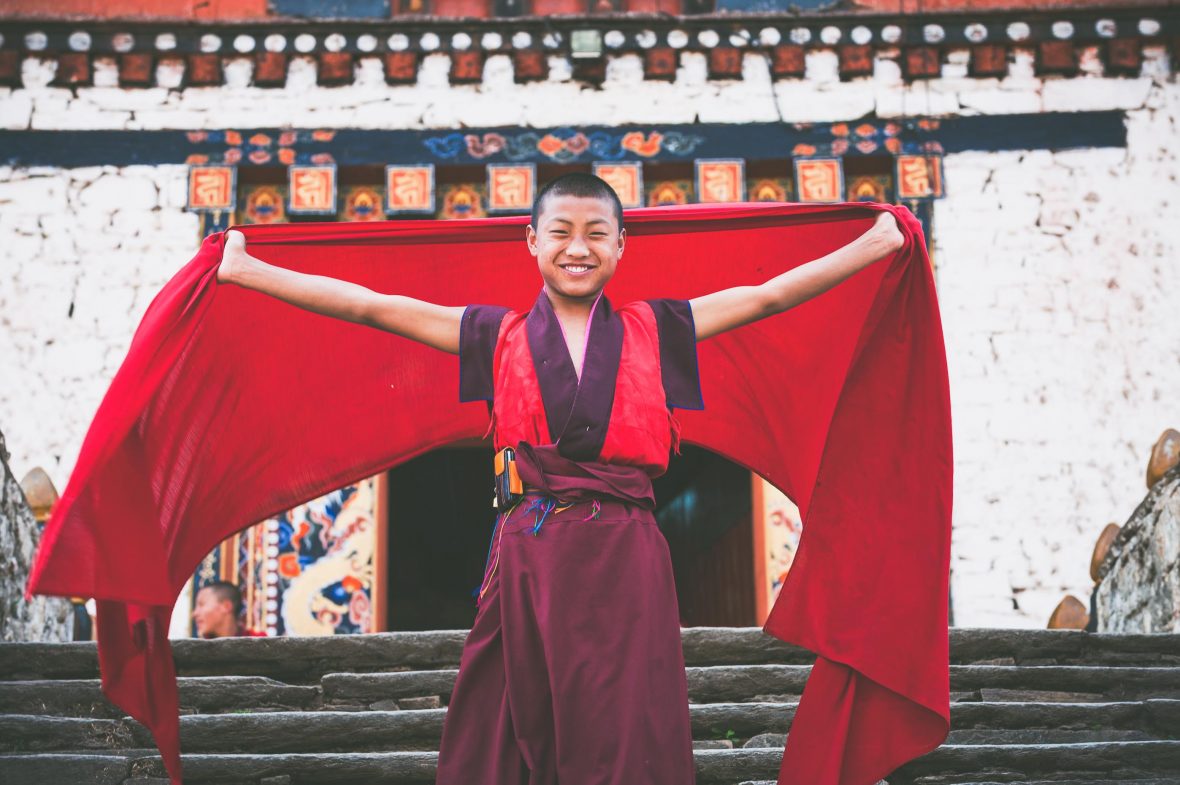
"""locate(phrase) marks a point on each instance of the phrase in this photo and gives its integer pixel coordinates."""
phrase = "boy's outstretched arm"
(729, 308)
(428, 323)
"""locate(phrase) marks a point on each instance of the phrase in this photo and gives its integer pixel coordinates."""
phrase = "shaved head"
(581, 185)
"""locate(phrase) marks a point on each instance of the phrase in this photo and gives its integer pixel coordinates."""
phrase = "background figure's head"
(217, 609)
(577, 235)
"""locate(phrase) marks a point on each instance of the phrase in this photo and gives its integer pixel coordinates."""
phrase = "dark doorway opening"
(440, 524)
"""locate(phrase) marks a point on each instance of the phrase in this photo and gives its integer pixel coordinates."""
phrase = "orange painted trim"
(758, 521)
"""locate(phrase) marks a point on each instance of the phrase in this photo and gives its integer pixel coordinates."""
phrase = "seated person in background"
(218, 612)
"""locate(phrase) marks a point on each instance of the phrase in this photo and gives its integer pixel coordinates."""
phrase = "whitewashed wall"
(1058, 272)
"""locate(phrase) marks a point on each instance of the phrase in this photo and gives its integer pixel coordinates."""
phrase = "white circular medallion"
(708, 38)
(739, 38)
(122, 42)
(335, 42)
(244, 44)
(933, 34)
(861, 35)
(460, 41)
(975, 32)
(1018, 31)
(429, 42)
(1149, 27)
(36, 41)
(1106, 28)
(646, 39)
(166, 42)
(551, 40)
(304, 42)
(398, 42)
(830, 35)
(800, 35)
(769, 36)
(677, 39)
(275, 42)
(210, 43)
(366, 42)
(1062, 29)
(614, 39)
(80, 41)
(522, 40)
(891, 34)
(491, 41)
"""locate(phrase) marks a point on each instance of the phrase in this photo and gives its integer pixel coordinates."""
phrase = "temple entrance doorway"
(440, 521)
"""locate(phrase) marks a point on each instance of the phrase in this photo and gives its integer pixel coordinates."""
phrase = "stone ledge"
(747, 724)
(308, 659)
(1123, 761)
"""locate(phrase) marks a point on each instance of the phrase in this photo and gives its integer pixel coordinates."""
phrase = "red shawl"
(232, 406)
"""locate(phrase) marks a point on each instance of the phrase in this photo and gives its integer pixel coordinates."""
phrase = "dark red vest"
(639, 427)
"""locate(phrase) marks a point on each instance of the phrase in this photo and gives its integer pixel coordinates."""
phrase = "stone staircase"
(1041, 706)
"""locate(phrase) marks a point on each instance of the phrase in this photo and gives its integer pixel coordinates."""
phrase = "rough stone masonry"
(1140, 577)
(44, 618)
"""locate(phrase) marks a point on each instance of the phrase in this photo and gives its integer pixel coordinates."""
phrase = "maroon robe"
(573, 671)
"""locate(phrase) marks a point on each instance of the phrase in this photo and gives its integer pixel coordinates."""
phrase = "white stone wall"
(1058, 272)
(1059, 283)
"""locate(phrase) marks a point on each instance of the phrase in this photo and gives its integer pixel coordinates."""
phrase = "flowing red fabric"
(233, 406)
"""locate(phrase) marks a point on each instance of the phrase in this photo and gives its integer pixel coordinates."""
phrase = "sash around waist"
(543, 469)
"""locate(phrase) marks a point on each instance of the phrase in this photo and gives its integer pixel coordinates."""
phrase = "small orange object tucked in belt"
(509, 488)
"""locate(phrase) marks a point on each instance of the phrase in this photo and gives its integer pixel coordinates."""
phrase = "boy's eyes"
(560, 233)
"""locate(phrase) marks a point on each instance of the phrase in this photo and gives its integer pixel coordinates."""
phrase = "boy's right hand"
(233, 256)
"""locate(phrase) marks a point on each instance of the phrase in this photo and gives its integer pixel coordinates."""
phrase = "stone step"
(1120, 781)
(752, 725)
(776, 683)
(714, 684)
(198, 695)
(306, 659)
(1050, 683)
(948, 765)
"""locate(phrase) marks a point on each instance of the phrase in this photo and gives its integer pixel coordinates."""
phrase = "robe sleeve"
(478, 332)
(678, 353)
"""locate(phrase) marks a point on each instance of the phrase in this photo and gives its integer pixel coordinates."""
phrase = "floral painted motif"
(562, 145)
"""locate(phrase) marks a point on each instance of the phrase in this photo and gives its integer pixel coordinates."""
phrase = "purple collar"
(577, 410)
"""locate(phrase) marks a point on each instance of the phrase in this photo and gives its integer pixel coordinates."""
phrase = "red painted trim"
(555, 7)
(135, 9)
(673, 7)
(481, 9)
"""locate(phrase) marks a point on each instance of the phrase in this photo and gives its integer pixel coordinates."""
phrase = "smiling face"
(577, 243)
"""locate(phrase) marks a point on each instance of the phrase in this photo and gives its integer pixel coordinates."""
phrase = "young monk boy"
(573, 671)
